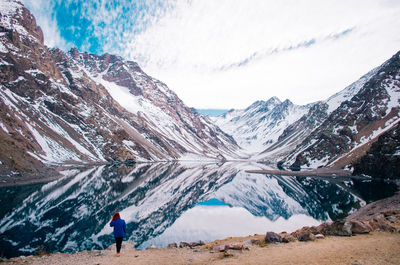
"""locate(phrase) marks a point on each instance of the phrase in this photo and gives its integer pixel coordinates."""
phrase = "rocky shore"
(371, 235)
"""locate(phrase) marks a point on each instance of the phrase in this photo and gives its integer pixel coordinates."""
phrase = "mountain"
(259, 126)
(337, 132)
(76, 107)
(350, 121)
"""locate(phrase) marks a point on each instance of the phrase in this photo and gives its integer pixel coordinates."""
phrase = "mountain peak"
(14, 16)
(261, 105)
(273, 100)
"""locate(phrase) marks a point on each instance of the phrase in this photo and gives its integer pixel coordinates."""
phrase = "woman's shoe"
(118, 254)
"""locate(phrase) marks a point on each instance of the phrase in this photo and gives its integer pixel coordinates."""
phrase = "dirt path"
(374, 248)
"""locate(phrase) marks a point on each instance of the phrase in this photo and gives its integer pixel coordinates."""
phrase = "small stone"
(172, 245)
(272, 237)
(392, 219)
(255, 242)
(228, 254)
(151, 247)
(319, 236)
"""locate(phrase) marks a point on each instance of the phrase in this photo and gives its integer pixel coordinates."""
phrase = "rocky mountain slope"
(76, 107)
(353, 122)
(383, 158)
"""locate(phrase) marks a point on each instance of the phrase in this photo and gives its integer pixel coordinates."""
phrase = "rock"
(360, 227)
(184, 245)
(235, 246)
(193, 244)
(255, 242)
(392, 219)
(306, 236)
(390, 213)
(219, 248)
(172, 245)
(337, 228)
(272, 237)
(319, 236)
(228, 254)
(382, 224)
(247, 245)
(288, 238)
(151, 247)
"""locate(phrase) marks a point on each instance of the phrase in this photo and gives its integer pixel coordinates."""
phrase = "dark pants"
(118, 241)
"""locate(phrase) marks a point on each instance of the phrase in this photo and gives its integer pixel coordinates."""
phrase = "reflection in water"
(72, 213)
(210, 223)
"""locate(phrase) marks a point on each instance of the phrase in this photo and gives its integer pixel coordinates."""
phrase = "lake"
(170, 202)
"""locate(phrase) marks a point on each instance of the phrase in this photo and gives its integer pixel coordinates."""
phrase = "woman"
(119, 230)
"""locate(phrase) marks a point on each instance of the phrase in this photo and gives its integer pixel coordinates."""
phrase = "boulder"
(172, 245)
(360, 227)
(235, 246)
(306, 236)
(286, 238)
(337, 228)
(220, 248)
(184, 245)
(272, 237)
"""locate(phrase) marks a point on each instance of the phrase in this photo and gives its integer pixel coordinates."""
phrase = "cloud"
(229, 53)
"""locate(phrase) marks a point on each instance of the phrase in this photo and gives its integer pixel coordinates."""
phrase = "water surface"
(169, 202)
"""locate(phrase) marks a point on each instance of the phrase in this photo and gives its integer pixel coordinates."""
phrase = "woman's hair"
(115, 216)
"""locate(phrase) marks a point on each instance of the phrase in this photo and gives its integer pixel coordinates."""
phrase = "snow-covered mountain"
(336, 132)
(76, 107)
(350, 121)
(259, 126)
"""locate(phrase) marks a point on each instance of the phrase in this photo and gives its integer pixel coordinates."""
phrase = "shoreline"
(320, 172)
(24, 180)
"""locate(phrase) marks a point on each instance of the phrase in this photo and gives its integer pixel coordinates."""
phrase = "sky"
(225, 54)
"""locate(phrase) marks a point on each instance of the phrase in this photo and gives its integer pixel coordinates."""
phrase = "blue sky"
(229, 53)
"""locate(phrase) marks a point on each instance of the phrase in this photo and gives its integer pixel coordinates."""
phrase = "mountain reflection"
(72, 213)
